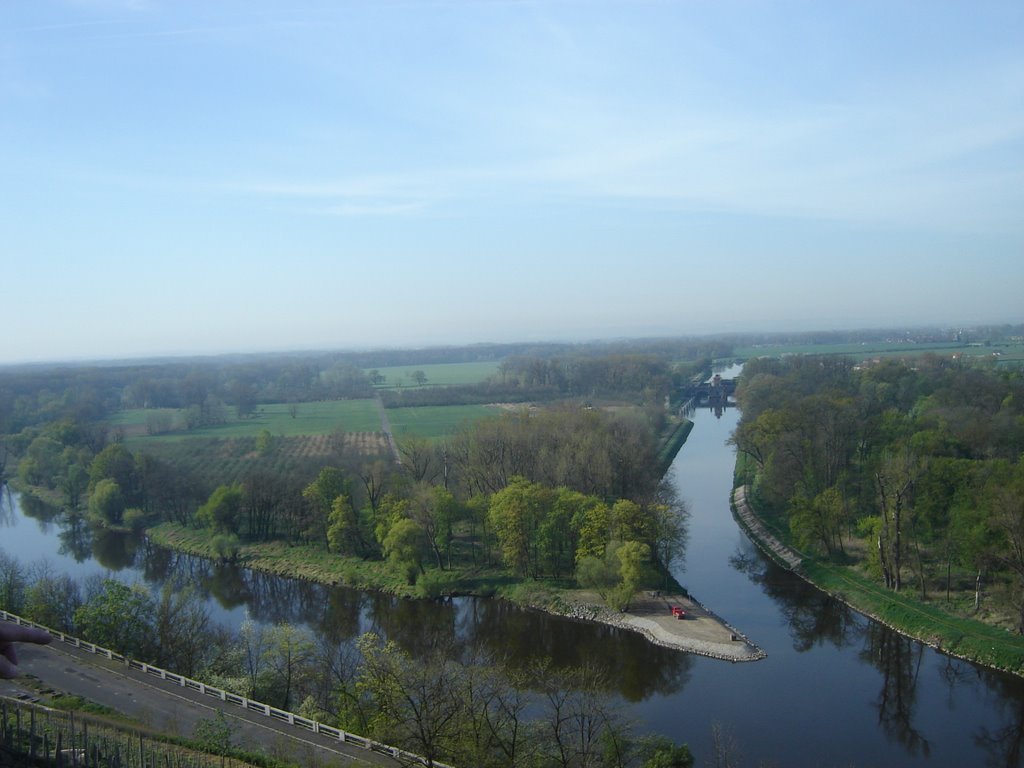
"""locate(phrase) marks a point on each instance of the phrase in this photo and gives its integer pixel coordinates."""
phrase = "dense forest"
(914, 472)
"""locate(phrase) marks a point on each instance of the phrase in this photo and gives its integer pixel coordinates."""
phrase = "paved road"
(165, 706)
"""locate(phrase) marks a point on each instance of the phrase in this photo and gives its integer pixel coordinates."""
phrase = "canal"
(836, 689)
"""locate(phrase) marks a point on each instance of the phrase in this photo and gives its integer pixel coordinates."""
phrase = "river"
(836, 689)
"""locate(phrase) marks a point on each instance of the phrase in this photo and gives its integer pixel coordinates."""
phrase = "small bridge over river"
(717, 392)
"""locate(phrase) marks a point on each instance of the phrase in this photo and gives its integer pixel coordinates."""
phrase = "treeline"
(32, 395)
(206, 389)
(537, 493)
(563, 493)
(451, 705)
(117, 487)
(921, 466)
(641, 379)
(992, 334)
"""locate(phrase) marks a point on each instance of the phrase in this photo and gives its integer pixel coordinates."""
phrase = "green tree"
(222, 511)
(515, 515)
(43, 463)
(389, 511)
(265, 442)
(592, 521)
(894, 481)
(13, 583)
(818, 523)
(115, 462)
(403, 546)
(106, 503)
(600, 574)
(74, 485)
(493, 727)
(182, 629)
(1006, 498)
(253, 638)
(52, 599)
(436, 511)
(630, 522)
(214, 734)
(287, 651)
(120, 617)
(416, 704)
(661, 752)
(633, 557)
(343, 533)
(557, 537)
(330, 483)
(669, 535)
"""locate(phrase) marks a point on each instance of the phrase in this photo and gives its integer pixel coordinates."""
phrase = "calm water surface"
(835, 690)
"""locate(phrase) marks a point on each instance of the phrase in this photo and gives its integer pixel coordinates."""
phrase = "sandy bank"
(701, 632)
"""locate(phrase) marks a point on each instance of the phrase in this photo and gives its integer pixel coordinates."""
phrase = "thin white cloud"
(375, 209)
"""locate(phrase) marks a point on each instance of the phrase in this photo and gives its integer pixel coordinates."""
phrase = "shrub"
(433, 584)
(135, 519)
(225, 547)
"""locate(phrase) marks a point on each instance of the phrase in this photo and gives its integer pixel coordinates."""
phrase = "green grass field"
(1009, 354)
(319, 418)
(435, 421)
(441, 375)
(312, 419)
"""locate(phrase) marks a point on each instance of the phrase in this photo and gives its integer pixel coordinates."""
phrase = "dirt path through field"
(385, 427)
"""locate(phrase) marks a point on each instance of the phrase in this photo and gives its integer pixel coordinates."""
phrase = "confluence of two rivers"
(836, 689)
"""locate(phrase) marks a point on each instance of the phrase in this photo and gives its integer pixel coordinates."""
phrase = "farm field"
(434, 422)
(1009, 353)
(440, 375)
(218, 460)
(317, 418)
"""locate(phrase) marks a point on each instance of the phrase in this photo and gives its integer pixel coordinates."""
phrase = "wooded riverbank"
(957, 636)
(701, 632)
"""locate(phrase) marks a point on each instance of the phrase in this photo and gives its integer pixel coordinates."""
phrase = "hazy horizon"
(184, 178)
(888, 334)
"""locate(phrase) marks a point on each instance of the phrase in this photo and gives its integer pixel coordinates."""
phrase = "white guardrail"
(231, 698)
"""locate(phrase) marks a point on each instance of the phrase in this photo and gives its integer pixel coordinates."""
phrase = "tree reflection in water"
(7, 513)
(1004, 747)
(899, 659)
(635, 669)
(114, 550)
(76, 539)
(228, 585)
(814, 617)
(43, 513)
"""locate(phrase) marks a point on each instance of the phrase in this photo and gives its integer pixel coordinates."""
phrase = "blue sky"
(202, 177)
